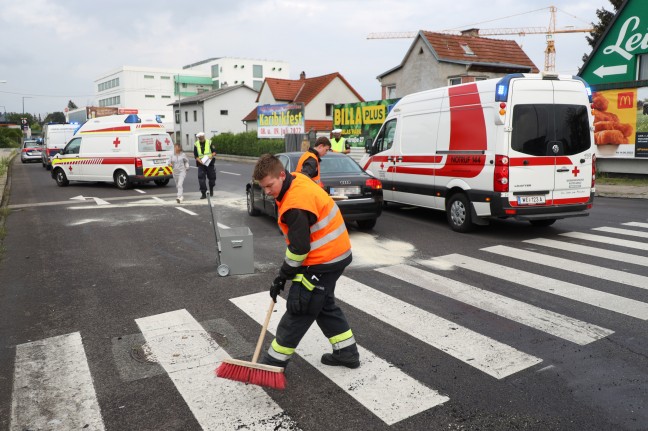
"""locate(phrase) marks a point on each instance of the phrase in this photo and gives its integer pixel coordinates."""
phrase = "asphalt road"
(112, 316)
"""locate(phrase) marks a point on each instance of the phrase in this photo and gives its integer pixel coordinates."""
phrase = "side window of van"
(385, 138)
(73, 146)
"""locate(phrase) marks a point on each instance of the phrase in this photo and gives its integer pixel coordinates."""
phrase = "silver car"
(30, 151)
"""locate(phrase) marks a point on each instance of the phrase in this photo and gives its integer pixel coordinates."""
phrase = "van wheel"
(250, 203)
(458, 213)
(61, 178)
(367, 224)
(542, 223)
(161, 183)
(121, 180)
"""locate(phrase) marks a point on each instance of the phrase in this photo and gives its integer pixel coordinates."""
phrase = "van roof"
(123, 123)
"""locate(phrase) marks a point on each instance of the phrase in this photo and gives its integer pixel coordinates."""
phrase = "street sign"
(615, 59)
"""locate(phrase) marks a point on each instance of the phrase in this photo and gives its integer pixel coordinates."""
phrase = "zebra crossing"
(53, 387)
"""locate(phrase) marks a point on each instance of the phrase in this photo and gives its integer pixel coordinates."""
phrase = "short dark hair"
(323, 140)
(267, 165)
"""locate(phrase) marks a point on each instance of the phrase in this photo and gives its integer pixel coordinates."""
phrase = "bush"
(10, 138)
(246, 144)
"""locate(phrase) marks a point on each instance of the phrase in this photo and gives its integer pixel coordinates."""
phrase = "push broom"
(253, 372)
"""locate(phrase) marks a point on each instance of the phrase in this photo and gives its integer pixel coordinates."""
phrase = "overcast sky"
(53, 50)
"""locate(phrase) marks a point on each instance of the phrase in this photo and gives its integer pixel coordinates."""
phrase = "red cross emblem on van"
(575, 171)
(116, 142)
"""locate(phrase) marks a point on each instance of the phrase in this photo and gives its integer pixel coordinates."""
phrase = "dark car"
(358, 195)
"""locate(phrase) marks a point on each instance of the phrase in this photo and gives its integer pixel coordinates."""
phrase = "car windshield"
(31, 144)
(339, 165)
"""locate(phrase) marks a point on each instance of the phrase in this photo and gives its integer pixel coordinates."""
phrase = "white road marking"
(636, 224)
(486, 354)
(140, 191)
(157, 199)
(222, 226)
(591, 251)
(53, 387)
(190, 356)
(186, 211)
(559, 325)
(98, 201)
(609, 274)
(575, 292)
(381, 387)
(639, 245)
(636, 233)
(230, 173)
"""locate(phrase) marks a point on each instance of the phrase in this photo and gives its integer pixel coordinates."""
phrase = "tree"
(72, 105)
(605, 19)
(55, 117)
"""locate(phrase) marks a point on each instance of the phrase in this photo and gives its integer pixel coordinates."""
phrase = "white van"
(55, 136)
(118, 148)
(519, 147)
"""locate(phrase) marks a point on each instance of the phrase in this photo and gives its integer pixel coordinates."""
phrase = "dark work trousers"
(209, 172)
(321, 309)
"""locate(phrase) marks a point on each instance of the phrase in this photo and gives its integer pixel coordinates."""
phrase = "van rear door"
(550, 143)
(154, 151)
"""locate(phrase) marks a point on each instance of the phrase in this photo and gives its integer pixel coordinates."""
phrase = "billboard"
(621, 122)
(276, 121)
(361, 121)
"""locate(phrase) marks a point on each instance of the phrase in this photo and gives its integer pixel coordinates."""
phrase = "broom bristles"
(253, 373)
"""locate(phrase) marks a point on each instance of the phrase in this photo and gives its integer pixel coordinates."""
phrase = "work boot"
(203, 195)
(348, 357)
(269, 360)
(211, 191)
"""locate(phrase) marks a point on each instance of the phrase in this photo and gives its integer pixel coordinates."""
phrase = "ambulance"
(123, 149)
(55, 136)
(518, 147)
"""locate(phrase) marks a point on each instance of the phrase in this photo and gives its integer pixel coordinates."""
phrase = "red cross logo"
(116, 142)
(70, 168)
(575, 171)
(382, 165)
(166, 141)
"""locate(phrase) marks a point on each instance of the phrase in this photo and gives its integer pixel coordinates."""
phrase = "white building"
(213, 112)
(151, 91)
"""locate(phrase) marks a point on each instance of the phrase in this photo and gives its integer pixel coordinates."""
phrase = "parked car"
(358, 195)
(30, 151)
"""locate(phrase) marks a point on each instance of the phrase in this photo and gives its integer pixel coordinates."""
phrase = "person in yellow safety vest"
(338, 143)
(309, 162)
(317, 252)
(204, 148)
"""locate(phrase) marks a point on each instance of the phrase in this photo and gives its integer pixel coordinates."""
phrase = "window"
(214, 71)
(328, 109)
(149, 96)
(224, 112)
(257, 85)
(537, 128)
(166, 97)
(186, 116)
(643, 67)
(195, 116)
(115, 100)
(149, 76)
(177, 117)
(108, 84)
(73, 146)
(385, 138)
(467, 50)
(216, 84)
(454, 81)
(165, 77)
(391, 92)
(257, 71)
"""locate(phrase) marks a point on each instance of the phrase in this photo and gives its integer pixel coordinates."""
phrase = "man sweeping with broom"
(318, 249)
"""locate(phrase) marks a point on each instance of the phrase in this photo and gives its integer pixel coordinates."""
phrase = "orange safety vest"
(301, 161)
(329, 239)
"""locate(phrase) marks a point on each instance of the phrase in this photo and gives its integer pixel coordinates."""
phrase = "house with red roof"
(437, 59)
(318, 94)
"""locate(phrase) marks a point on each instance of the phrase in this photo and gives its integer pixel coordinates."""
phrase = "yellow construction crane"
(550, 50)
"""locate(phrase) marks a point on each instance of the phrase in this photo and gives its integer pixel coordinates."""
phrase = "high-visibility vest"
(338, 146)
(300, 163)
(206, 150)
(329, 239)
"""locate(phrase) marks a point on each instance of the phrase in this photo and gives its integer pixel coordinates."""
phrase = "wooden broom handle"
(257, 351)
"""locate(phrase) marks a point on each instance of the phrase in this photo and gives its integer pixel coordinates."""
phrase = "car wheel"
(542, 223)
(121, 180)
(161, 183)
(250, 203)
(458, 213)
(367, 224)
(61, 178)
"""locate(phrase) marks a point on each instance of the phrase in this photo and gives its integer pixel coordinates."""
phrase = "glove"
(276, 287)
(298, 299)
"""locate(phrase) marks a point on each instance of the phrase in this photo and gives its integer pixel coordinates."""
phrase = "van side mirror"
(367, 144)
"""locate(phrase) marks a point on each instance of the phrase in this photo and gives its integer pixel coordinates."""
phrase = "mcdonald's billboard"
(621, 122)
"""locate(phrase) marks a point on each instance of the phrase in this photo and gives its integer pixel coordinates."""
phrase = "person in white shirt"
(180, 163)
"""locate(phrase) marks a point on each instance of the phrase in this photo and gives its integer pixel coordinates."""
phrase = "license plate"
(530, 200)
(344, 191)
(159, 162)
